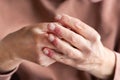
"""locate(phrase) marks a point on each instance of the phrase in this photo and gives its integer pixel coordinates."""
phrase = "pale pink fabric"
(101, 15)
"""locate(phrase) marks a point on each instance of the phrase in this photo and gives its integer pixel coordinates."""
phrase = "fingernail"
(46, 51)
(51, 26)
(58, 17)
(51, 37)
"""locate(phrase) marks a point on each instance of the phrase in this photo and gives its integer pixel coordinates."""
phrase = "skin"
(79, 45)
(24, 44)
(72, 43)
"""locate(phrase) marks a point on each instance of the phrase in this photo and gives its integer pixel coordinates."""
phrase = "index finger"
(78, 26)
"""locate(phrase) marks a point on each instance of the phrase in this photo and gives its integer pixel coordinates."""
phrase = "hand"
(79, 46)
(25, 44)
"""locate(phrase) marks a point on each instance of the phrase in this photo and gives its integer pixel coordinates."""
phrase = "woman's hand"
(79, 46)
(25, 44)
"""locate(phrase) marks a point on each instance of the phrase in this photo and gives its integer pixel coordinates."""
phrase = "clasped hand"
(79, 46)
(68, 41)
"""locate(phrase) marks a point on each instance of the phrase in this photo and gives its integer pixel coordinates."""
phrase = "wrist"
(108, 66)
(106, 69)
(8, 62)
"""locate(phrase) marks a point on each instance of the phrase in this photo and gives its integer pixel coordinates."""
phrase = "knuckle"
(88, 51)
(61, 59)
(68, 61)
(33, 29)
(72, 38)
(37, 30)
(25, 28)
(97, 38)
(70, 54)
(65, 18)
(34, 32)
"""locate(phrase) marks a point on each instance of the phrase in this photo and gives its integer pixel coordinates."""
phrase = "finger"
(40, 28)
(64, 59)
(57, 56)
(65, 48)
(73, 38)
(78, 26)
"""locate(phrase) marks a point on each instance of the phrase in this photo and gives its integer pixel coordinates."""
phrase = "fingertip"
(51, 37)
(58, 17)
(48, 52)
(45, 51)
(51, 26)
